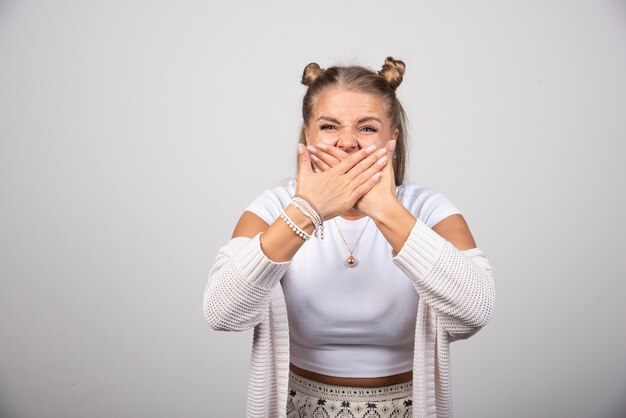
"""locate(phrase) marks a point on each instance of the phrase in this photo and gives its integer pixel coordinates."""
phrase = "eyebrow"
(328, 118)
(365, 119)
(369, 118)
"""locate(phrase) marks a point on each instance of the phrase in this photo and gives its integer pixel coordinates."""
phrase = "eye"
(369, 129)
(327, 126)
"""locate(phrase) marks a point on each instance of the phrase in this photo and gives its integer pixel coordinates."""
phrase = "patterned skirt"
(311, 399)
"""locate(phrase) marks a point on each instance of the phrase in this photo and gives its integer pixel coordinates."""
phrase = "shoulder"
(425, 203)
(271, 202)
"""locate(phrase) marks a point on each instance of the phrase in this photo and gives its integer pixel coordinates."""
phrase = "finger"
(319, 163)
(370, 182)
(353, 159)
(334, 151)
(377, 159)
(371, 171)
(322, 155)
(304, 160)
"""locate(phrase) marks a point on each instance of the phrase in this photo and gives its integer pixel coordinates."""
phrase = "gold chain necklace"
(351, 261)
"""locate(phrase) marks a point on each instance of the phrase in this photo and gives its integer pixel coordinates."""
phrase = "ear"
(395, 134)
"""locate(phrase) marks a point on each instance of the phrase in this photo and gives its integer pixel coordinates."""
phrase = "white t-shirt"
(351, 322)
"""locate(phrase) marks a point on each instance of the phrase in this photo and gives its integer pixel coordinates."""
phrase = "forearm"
(395, 222)
(458, 286)
(240, 284)
(247, 269)
(279, 242)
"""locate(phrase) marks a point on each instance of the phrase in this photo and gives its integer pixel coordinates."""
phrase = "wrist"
(308, 209)
(300, 219)
(395, 222)
(390, 213)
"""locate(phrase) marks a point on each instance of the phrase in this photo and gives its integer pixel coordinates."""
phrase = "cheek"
(378, 140)
(317, 139)
(311, 137)
(315, 136)
(322, 137)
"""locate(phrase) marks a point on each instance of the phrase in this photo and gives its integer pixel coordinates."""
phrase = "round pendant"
(351, 262)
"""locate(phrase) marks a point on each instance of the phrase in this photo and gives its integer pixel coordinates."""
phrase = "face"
(349, 120)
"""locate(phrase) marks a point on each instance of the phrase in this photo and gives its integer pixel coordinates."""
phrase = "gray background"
(133, 134)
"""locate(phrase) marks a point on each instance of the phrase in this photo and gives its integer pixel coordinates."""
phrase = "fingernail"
(376, 176)
(311, 149)
(381, 152)
(382, 161)
(322, 146)
(370, 149)
(314, 158)
(300, 148)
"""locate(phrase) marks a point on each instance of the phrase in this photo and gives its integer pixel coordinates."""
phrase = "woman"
(354, 282)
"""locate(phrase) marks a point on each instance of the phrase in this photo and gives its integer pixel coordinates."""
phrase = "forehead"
(348, 104)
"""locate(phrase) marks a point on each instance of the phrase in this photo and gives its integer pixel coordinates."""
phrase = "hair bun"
(393, 71)
(311, 73)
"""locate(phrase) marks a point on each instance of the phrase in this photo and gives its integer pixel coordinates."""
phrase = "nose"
(347, 142)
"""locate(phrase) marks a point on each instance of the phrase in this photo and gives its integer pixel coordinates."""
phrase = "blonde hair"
(382, 83)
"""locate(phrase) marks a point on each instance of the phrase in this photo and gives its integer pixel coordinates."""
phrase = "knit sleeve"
(458, 285)
(240, 283)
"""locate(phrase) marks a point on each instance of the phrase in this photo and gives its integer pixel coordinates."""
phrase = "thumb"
(304, 160)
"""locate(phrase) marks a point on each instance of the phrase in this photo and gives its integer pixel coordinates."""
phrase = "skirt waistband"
(349, 393)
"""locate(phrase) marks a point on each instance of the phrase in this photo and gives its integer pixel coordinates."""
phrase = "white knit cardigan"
(457, 297)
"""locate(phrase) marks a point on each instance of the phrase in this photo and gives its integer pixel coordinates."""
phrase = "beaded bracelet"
(312, 205)
(316, 215)
(310, 213)
(301, 233)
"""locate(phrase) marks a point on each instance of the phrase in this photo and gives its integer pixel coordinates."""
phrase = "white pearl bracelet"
(301, 233)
